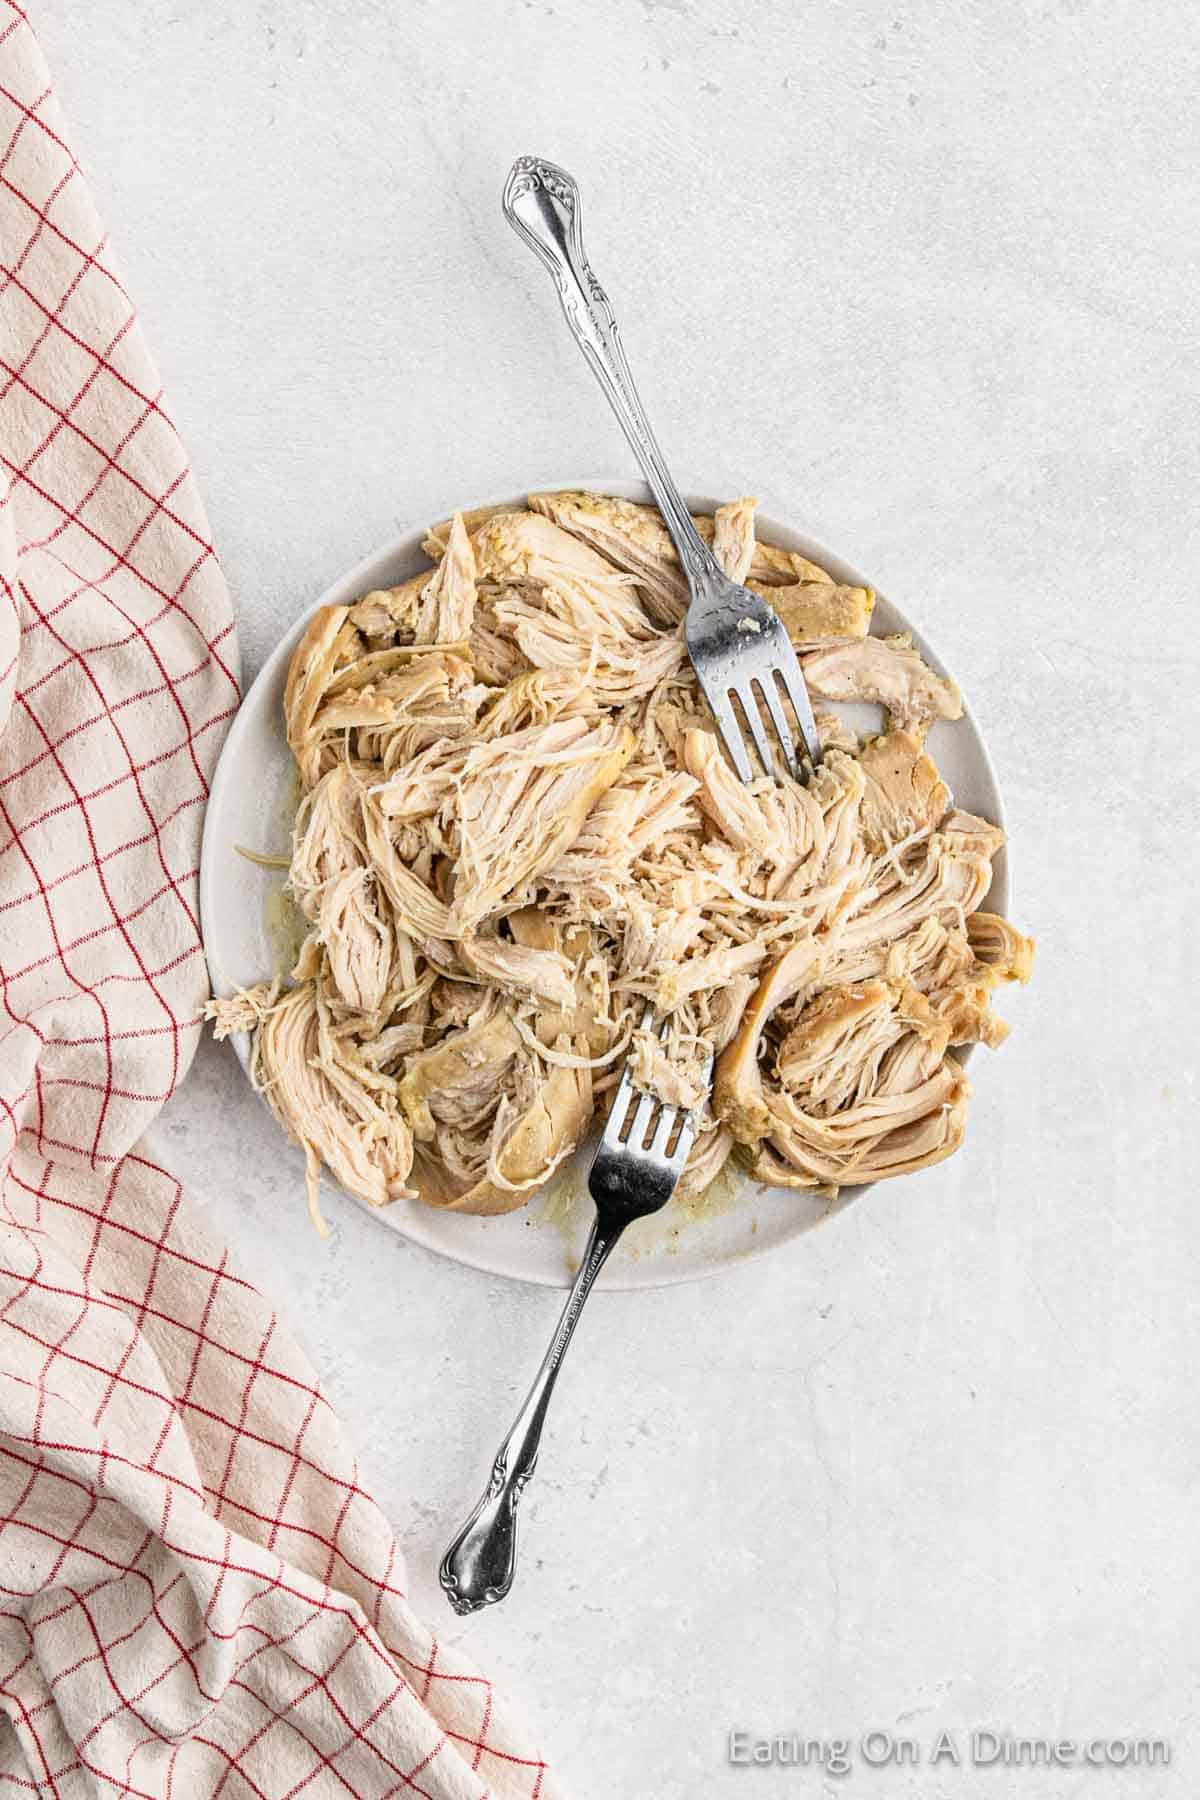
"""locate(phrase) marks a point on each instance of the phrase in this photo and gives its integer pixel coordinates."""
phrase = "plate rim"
(656, 1271)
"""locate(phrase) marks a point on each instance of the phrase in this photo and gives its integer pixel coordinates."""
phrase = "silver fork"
(741, 652)
(637, 1164)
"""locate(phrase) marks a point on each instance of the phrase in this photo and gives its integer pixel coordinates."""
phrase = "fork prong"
(774, 704)
(618, 1112)
(663, 1129)
(792, 677)
(762, 742)
(641, 1118)
(730, 729)
(683, 1143)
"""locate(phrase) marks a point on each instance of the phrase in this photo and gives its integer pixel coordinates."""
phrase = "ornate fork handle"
(541, 202)
(479, 1566)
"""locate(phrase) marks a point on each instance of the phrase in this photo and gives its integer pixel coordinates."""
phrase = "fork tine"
(641, 1118)
(770, 691)
(731, 731)
(762, 742)
(689, 1125)
(618, 1112)
(662, 1131)
(792, 676)
(683, 1143)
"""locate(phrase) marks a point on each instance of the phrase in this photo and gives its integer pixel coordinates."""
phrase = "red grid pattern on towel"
(198, 1597)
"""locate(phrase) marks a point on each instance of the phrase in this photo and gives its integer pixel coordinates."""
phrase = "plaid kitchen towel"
(197, 1595)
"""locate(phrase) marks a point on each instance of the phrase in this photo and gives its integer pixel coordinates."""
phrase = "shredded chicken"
(816, 612)
(517, 826)
(243, 1010)
(677, 1081)
(885, 670)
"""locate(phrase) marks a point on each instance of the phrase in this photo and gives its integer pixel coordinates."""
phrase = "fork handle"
(478, 1568)
(542, 204)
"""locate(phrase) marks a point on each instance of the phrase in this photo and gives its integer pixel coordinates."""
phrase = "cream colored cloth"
(197, 1595)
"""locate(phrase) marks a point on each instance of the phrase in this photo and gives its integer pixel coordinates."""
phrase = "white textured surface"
(924, 275)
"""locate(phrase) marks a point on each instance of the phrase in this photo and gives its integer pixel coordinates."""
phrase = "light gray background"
(923, 276)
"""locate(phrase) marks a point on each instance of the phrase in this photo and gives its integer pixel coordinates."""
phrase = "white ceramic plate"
(253, 797)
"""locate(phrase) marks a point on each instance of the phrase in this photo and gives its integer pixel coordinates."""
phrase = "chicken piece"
(519, 969)
(456, 1003)
(675, 978)
(438, 536)
(633, 537)
(584, 1016)
(310, 960)
(893, 1134)
(436, 606)
(675, 1079)
(392, 1045)
(549, 1129)
(731, 805)
(534, 929)
(835, 734)
(814, 611)
(243, 1010)
(904, 792)
(417, 788)
(867, 1089)
(328, 644)
(546, 1132)
(888, 672)
(415, 690)
(527, 547)
(973, 836)
(420, 666)
(328, 836)
(944, 877)
(933, 955)
(416, 910)
(831, 1057)
(333, 883)
(637, 816)
(961, 973)
(565, 608)
(727, 1009)
(460, 1078)
(397, 701)
(359, 1135)
(733, 537)
(496, 658)
(335, 688)
(520, 803)
(823, 861)
(772, 567)
(1000, 945)
(629, 537)
(358, 941)
(708, 1157)
(447, 605)
(966, 1013)
(738, 1098)
(607, 637)
(390, 614)
(535, 698)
